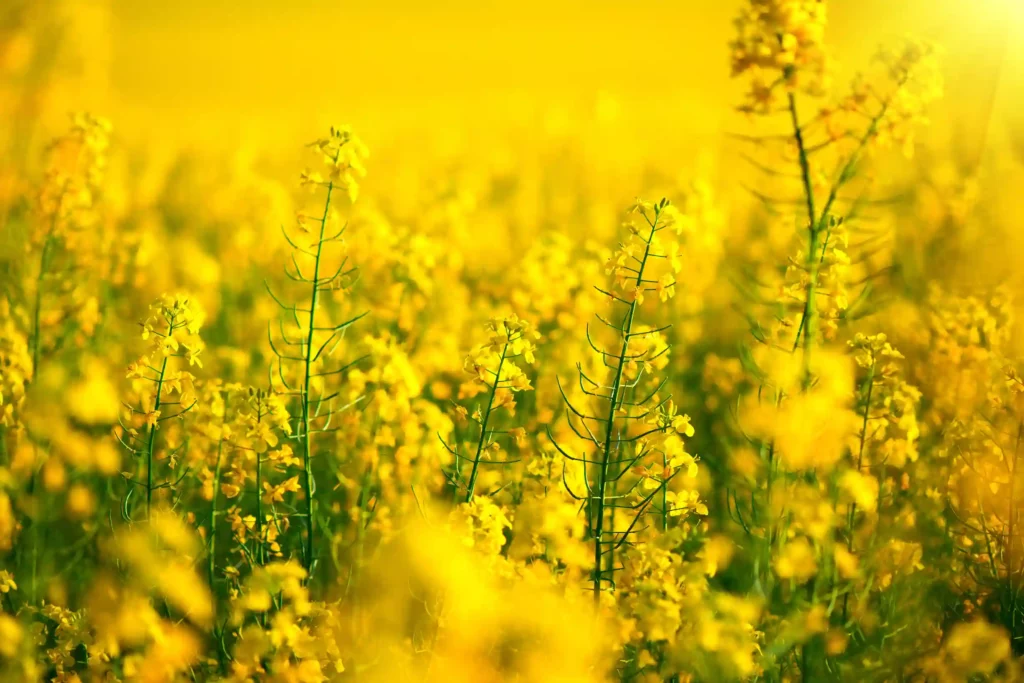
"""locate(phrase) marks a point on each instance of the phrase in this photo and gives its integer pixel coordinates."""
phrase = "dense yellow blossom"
(534, 393)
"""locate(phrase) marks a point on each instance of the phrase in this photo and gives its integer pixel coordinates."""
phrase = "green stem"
(808, 319)
(212, 545)
(211, 550)
(613, 401)
(664, 496)
(860, 463)
(307, 475)
(805, 166)
(151, 442)
(860, 453)
(483, 428)
(820, 224)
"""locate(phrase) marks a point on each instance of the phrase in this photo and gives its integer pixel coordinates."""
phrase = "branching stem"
(607, 449)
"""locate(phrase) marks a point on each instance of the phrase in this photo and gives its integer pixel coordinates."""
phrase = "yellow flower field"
(467, 342)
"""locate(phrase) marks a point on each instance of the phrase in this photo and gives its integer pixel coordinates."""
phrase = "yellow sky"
(232, 72)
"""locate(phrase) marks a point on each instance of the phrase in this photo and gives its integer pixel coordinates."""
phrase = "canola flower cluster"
(703, 450)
